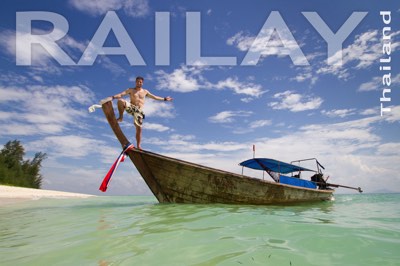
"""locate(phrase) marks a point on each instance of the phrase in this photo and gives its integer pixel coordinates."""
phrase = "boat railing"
(319, 166)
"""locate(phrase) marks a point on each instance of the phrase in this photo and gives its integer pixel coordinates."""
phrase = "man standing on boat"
(135, 106)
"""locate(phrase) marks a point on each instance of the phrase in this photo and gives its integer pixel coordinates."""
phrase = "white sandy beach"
(9, 194)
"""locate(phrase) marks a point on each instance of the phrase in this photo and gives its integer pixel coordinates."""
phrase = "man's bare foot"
(119, 119)
(139, 148)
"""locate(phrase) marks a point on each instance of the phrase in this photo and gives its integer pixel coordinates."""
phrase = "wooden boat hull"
(178, 181)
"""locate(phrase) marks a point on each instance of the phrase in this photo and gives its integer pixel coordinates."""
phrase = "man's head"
(139, 82)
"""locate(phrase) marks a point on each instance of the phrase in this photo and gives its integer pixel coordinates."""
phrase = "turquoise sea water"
(353, 230)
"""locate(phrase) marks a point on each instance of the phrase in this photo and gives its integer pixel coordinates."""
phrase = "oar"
(335, 185)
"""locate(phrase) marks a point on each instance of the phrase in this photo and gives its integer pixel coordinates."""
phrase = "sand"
(9, 194)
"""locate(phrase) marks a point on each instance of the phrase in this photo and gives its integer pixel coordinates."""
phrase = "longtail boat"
(176, 181)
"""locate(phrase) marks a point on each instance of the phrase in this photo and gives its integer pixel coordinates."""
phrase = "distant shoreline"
(10, 194)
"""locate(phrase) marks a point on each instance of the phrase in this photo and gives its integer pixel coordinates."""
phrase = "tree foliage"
(14, 170)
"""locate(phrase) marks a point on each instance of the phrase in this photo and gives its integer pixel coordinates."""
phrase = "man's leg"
(138, 136)
(121, 109)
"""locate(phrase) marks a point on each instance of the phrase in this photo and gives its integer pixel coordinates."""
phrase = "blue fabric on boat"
(272, 165)
(296, 182)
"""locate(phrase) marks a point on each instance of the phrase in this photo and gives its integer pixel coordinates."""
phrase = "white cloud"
(155, 127)
(369, 111)
(247, 127)
(108, 64)
(305, 75)
(228, 116)
(295, 102)
(5, 116)
(362, 53)
(43, 109)
(20, 129)
(241, 40)
(391, 148)
(396, 80)
(188, 148)
(41, 58)
(374, 84)
(133, 8)
(42, 61)
(13, 78)
(365, 51)
(225, 146)
(260, 123)
(393, 115)
(87, 179)
(247, 99)
(178, 137)
(71, 146)
(137, 8)
(188, 79)
(350, 135)
(248, 88)
(339, 112)
(38, 78)
(244, 41)
(276, 42)
(184, 79)
(159, 109)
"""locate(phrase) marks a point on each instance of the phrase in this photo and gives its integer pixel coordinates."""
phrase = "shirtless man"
(134, 107)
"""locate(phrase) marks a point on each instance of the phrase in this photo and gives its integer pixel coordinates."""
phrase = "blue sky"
(288, 111)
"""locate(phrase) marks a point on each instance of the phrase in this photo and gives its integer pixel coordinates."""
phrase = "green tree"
(14, 170)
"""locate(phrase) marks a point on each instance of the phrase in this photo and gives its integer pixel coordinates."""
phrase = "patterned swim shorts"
(136, 112)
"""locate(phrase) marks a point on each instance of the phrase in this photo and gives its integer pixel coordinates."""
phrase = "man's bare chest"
(140, 95)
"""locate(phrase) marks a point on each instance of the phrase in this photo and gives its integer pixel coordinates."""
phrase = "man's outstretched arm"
(158, 98)
(119, 95)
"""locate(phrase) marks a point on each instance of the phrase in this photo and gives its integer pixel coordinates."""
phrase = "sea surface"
(356, 229)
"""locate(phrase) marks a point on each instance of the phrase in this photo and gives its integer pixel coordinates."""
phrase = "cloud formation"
(43, 109)
(376, 83)
(364, 51)
(295, 102)
(339, 112)
(190, 78)
(133, 8)
(268, 44)
(228, 116)
(42, 62)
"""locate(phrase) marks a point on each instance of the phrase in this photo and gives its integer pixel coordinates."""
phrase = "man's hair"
(139, 78)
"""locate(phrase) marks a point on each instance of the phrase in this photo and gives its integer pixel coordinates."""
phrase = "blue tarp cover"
(296, 182)
(272, 165)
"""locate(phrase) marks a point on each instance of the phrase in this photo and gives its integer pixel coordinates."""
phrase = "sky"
(297, 79)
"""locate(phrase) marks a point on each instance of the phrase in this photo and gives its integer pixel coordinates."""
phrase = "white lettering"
(25, 39)
(112, 22)
(193, 45)
(386, 16)
(386, 50)
(261, 45)
(162, 39)
(334, 40)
